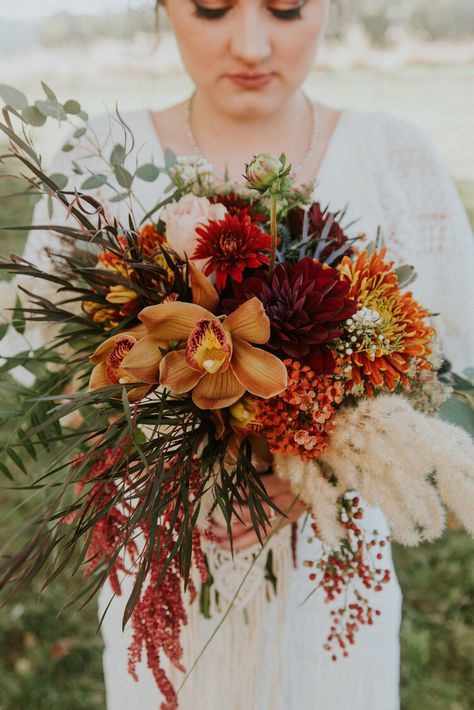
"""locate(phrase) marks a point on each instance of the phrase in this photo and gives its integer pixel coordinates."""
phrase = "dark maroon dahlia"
(318, 220)
(306, 303)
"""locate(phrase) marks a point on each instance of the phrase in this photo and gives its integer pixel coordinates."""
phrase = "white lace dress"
(268, 655)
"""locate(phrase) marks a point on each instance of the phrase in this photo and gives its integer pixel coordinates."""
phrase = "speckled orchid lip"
(209, 347)
(108, 359)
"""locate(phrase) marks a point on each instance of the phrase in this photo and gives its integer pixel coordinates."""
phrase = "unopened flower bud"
(262, 171)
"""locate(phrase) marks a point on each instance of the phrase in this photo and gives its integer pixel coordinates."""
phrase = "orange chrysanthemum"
(123, 299)
(388, 330)
(299, 420)
(148, 240)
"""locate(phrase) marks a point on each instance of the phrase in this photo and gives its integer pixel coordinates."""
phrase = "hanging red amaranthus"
(159, 614)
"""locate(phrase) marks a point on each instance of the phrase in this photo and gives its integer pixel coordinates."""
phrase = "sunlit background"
(414, 58)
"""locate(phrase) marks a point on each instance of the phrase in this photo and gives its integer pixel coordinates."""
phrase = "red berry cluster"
(108, 534)
(159, 612)
(341, 570)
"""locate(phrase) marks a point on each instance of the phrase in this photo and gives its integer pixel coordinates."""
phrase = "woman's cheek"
(201, 56)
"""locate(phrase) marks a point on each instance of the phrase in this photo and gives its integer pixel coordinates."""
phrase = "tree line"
(430, 19)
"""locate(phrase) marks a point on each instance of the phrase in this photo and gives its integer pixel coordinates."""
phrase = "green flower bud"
(263, 171)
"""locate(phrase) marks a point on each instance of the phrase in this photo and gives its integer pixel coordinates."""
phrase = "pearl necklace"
(296, 169)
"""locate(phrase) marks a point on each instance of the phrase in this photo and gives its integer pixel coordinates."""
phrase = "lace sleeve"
(426, 225)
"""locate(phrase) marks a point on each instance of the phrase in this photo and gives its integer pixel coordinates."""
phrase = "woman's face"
(220, 39)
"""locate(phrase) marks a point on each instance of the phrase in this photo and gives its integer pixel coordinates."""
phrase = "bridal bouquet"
(242, 331)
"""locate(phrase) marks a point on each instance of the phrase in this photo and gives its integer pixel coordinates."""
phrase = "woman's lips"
(251, 81)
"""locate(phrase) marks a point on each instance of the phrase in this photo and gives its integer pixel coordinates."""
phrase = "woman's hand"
(243, 533)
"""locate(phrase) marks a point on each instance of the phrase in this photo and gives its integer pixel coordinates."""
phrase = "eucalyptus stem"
(273, 231)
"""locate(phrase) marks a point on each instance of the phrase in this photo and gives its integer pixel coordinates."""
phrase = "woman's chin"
(248, 103)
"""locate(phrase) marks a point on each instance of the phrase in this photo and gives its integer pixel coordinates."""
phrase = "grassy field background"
(51, 660)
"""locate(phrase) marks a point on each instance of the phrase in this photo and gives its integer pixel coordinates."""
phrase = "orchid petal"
(176, 374)
(98, 378)
(138, 331)
(108, 346)
(173, 320)
(260, 372)
(219, 423)
(143, 361)
(204, 293)
(250, 322)
(217, 391)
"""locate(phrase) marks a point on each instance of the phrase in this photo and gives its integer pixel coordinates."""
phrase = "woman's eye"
(209, 13)
(215, 13)
(292, 14)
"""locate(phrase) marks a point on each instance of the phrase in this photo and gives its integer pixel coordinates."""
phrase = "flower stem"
(273, 228)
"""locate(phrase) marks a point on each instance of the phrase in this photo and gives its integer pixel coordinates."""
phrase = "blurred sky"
(34, 9)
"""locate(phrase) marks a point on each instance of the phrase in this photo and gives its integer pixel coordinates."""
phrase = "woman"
(248, 60)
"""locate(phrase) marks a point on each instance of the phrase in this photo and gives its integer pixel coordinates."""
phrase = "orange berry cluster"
(298, 421)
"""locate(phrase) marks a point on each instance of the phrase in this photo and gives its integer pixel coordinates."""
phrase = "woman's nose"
(250, 37)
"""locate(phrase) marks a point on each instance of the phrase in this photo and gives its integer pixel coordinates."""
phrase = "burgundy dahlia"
(306, 304)
(230, 246)
(317, 222)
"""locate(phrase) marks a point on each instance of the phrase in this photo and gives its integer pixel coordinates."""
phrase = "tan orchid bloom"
(214, 358)
(108, 358)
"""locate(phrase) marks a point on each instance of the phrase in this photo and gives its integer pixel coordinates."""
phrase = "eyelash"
(216, 14)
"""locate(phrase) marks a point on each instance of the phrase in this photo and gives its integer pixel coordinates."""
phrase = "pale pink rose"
(184, 216)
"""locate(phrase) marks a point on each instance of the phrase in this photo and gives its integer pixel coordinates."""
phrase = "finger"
(245, 537)
(285, 502)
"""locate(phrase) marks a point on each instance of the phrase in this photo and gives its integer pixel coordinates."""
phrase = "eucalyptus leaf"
(148, 172)
(123, 177)
(49, 92)
(60, 180)
(94, 181)
(458, 412)
(33, 116)
(405, 274)
(117, 156)
(3, 330)
(469, 373)
(118, 198)
(13, 97)
(79, 132)
(67, 148)
(84, 115)
(170, 158)
(73, 107)
(461, 383)
(52, 109)
(76, 168)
